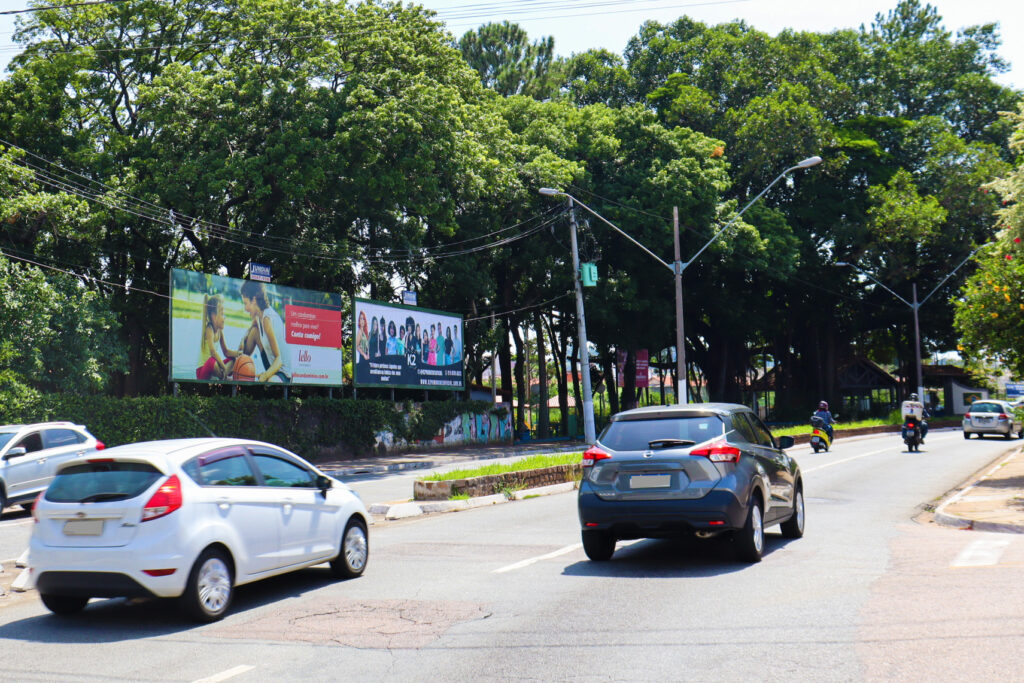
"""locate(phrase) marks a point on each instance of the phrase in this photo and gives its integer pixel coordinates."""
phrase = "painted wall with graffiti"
(463, 430)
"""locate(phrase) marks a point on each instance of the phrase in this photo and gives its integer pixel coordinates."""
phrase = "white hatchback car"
(189, 519)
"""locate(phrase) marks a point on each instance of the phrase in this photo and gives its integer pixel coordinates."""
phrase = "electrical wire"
(70, 6)
(498, 314)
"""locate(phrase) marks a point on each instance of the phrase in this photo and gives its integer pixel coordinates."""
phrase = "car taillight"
(718, 451)
(35, 515)
(967, 415)
(1004, 416)
(592, 455)
(100, 445)
(166, 500)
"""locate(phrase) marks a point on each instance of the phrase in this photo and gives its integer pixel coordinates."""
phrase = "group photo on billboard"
(227, 330)
(407, 347)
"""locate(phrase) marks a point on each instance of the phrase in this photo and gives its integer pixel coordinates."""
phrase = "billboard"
(406, 347)
(226, 330)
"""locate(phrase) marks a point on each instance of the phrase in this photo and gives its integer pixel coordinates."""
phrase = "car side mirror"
(785, 442)
(324, 484)
(15, 452)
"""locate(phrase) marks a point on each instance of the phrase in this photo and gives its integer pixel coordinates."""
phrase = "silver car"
(29, 455)
(992, 417)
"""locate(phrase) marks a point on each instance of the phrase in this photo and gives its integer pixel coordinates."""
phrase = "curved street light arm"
(950, 274)
(877, 282)
(617, 229)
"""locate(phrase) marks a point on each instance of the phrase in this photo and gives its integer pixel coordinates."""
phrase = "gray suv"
(702, 469)
(29, 455)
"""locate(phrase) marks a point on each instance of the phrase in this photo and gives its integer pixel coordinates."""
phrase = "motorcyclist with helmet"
(826, 417)
(924, 414)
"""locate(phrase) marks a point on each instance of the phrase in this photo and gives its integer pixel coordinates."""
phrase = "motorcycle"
(912, 433)
(820, 440)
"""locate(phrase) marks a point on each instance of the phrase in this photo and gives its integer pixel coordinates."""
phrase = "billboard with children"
(406, 347)
(227, 330)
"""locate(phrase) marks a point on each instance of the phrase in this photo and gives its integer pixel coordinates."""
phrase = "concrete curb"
(393, 511)
(941, 517)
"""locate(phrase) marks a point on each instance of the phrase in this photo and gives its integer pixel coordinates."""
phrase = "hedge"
(317, 427)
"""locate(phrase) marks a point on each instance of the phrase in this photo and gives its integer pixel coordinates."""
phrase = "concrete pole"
(682, 386)
(917, 344)
(589, 429)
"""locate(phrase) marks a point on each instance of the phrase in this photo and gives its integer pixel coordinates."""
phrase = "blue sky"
(578, 25)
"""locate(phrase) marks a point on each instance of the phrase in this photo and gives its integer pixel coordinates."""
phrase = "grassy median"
(534, 462)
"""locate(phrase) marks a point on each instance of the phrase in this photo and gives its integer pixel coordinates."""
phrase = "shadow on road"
(117, 620)
(673, 558)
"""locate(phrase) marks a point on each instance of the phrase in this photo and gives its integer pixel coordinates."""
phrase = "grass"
(459, 496)
(805, 429)
(534, 462)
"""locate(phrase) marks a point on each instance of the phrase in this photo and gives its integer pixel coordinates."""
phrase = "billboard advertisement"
(226, 330)
(406, 347)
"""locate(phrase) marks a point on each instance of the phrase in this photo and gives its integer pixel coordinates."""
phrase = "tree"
(989, 309)
(511, 65)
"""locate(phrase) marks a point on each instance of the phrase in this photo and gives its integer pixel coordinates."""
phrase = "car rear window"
(634, 435)
(986, 408)
(101, 481)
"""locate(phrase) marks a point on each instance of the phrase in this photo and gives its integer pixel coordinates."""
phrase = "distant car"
(702, 469)
(992, 417)
(30, 454)
(189, 519)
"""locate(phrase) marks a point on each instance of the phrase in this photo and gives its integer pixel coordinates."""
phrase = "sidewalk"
(993, 501)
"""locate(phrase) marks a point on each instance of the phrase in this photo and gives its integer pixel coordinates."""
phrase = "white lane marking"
(225, 675)
(532, 560)
(857, 457)
(981, 553)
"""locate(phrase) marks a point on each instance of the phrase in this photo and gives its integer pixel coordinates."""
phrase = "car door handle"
(224, 504)
(287, 507)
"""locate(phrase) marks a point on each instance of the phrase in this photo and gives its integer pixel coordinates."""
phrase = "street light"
(914, 306)
(677, 268)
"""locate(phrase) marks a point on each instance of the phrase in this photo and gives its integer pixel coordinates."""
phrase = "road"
(507, 593)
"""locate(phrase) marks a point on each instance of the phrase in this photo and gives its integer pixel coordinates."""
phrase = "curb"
(393, 511)
(941, 517)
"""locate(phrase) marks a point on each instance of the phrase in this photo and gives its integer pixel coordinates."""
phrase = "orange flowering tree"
(990, 306)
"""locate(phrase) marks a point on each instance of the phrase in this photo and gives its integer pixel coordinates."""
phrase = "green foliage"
(509, 64)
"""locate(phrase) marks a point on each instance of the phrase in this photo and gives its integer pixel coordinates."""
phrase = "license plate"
(83, 527)
(650, 481)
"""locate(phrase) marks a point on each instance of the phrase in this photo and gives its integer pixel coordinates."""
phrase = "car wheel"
(64, 604)
(598, 545)
(794, 526)
(1009, 434)
(3, 502)
(967, 435)
(750, 539)
(354, 552)
(210, 587)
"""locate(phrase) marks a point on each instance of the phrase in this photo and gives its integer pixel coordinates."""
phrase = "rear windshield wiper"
(670, 443)
(100, 497)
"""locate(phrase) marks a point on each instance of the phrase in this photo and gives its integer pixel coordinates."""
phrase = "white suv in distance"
(30, 454)
(189, 519)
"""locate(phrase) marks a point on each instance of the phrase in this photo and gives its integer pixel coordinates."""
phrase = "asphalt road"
(507, 593)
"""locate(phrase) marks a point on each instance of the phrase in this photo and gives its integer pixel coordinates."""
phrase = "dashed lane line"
(527, 562)
(982, 552)
(225, 675)
(863, 455)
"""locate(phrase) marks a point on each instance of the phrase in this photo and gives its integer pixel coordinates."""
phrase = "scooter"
(820, 440)
(912, 433)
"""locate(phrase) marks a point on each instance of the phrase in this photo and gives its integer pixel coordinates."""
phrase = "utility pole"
(917, 343)
(682, 388)
(589, 430)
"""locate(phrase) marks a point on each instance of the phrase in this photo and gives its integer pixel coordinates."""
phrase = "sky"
(579, 25)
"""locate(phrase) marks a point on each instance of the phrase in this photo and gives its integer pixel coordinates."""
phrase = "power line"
(71, 6)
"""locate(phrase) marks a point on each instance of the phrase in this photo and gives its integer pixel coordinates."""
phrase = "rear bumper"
(719, 510)
(107, 572)
(1000, 428)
